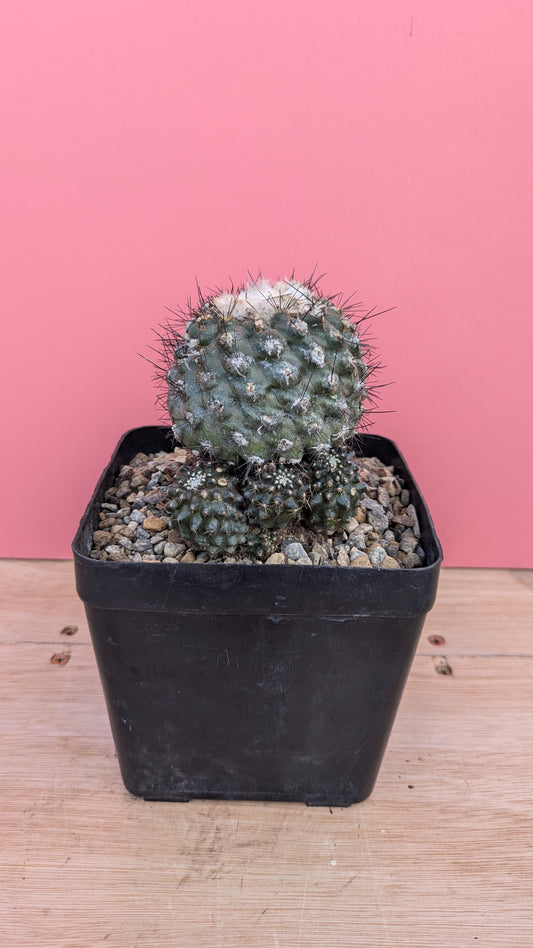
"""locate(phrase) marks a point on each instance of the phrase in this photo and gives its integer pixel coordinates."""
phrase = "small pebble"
(413, 515)
(377, 555)
(362, 560)
(317, 554)
(116, 553)
(412, 561)
(172, 549)
(101, 537)
(157, 537)
(142, 546)
(355, 553)
(408, 543)
(295, 553)
(155, 524)
(390, 563)
(188, 557)
(342, 558)
(383, 497)
(275, 559)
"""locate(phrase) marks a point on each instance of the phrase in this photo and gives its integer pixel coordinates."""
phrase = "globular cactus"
(266, 386)
(268, 372)
(205, 506)
(336, 489)
(275, 494)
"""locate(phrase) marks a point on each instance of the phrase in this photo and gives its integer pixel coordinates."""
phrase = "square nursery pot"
(252, 682)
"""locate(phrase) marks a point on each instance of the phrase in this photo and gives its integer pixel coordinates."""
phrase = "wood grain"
(440, 855)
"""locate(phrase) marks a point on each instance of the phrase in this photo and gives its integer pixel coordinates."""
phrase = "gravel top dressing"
(134, 523)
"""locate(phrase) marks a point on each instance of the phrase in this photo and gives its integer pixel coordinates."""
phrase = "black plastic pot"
(251, 681)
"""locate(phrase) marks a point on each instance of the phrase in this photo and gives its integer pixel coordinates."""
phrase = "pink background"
(145, 144)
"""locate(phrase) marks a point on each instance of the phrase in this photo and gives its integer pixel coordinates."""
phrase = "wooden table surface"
(440, 855)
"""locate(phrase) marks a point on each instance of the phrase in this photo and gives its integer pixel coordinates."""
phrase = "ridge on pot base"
(257, 682)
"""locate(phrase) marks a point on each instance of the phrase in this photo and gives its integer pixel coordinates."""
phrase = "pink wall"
(391, 143)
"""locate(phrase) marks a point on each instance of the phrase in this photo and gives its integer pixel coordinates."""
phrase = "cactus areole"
(268, 372)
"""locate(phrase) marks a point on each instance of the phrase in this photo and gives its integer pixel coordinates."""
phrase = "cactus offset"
(276, 494)
(336, 489)
(206, 507)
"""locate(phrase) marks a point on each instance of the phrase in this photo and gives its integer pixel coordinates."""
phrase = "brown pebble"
(102, 537)
(275, 559)
(343, 559)
(188, 557)
(155, 524)
(390, 563)
(404, 520)
(362, 560)
(412, 560)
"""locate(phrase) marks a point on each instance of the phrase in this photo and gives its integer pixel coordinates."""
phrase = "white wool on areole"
(262, 299)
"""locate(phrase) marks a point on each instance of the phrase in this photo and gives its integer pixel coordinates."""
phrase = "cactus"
(336, 489)
(267, 372)
(266, 386)
(205, 506)
(276, 494)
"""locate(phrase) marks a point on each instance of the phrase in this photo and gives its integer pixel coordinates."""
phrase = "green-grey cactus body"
(205, 506)
(336, 489)
(275, 494)
(267, 372)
